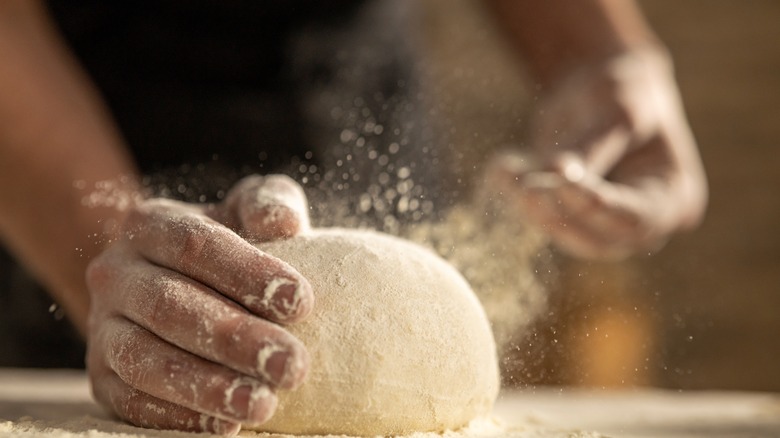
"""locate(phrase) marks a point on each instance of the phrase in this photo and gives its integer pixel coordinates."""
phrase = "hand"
(184, 322)
(613, 167)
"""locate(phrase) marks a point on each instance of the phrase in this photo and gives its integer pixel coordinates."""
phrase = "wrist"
(647, 55)
(617, 66)
(556, 37)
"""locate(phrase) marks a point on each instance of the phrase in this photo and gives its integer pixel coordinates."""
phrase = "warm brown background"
(724, 280)
(705, 311)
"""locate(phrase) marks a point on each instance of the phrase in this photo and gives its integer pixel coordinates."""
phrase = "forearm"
(55, 140)
(557, 35)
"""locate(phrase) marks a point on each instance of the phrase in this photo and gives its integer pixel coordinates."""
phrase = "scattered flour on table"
(80, 427)
(93, 427)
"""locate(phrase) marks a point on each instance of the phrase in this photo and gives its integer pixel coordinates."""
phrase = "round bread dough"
(398, 341)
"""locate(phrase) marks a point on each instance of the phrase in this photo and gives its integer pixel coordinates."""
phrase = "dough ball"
(398, 341)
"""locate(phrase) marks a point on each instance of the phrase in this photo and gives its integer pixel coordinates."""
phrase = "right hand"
(616, 170)
(184, 321)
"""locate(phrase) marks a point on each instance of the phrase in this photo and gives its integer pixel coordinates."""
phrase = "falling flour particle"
(398, 341)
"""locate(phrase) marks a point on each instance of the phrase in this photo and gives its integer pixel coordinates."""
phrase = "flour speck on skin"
(203, 421)
(156, 408)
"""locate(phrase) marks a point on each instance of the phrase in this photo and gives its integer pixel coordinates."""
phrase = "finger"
(603, 207)
(578, 217)
(514, 176)
(269, 208)
(594, 152)
(583, 120)
(200, 248)
(155, 367)
(143, 410)
(579, 223)
(193, 317)
(542, 208)
(602, 220)
(579, 240)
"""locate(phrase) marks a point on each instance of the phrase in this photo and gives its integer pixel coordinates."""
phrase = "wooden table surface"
(58, 403)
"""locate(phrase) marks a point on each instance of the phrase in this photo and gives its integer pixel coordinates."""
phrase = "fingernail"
(292, 300)
(288, 300)
(280, 296)
(238, 403)
(281, 366)
(251, 402)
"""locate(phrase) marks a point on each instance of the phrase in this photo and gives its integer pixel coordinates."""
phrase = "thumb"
(268, 208)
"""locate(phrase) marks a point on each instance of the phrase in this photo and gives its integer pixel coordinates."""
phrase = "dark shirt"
(188, 79)
(206, 91)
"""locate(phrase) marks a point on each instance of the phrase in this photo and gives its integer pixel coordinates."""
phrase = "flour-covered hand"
(613, 167)
(184, 328)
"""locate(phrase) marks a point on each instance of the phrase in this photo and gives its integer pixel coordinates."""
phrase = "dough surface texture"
(398, 341)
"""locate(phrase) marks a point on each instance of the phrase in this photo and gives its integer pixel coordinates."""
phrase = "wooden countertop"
(58, 403)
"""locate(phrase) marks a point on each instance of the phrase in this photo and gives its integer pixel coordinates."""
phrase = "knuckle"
(159, 308)
(230, 332)
(120, 355)
(192, 236)
(166, 304)
(192, 248)
(126, 351)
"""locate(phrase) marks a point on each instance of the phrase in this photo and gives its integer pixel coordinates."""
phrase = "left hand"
(614, 168)
(186, 324)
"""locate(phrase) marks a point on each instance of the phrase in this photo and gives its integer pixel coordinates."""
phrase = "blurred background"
(705, 311)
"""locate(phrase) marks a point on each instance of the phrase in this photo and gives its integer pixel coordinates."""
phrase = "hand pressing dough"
(398, 341)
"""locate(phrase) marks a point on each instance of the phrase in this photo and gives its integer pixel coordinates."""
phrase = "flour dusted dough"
(398, 341)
